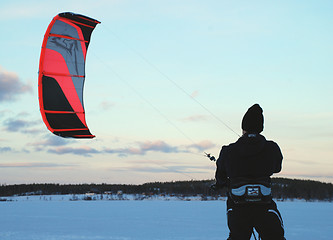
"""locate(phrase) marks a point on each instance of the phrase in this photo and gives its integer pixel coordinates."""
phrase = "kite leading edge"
(62, 74)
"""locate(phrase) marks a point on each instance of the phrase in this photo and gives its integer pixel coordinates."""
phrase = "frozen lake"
(149, 219)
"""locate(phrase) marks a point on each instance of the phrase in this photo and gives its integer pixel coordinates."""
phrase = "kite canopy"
(62, 74)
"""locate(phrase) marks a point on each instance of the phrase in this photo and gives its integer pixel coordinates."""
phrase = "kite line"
(165, 76)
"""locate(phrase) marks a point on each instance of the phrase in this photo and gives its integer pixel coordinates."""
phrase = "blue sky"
(163, 78)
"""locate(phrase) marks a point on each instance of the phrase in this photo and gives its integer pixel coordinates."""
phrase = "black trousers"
(266, 219)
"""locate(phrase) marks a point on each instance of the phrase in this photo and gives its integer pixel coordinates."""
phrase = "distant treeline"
(282, 188)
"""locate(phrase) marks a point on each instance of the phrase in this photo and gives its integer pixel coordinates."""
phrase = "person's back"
(245, 167)
(252, 155)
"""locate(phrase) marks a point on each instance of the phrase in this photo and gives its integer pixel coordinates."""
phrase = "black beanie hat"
(253, 120)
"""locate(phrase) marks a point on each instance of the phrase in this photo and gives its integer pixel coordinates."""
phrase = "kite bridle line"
(120, 78)
(165, 76)
(170, 80)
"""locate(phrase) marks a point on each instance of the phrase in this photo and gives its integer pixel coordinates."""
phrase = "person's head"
(253, 120)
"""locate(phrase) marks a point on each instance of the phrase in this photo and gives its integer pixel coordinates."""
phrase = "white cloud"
(35, 8)
(203, 145)
(106, 105)
(83, 151)
(11, 86)
(20, 125)
(5, 149)
(195, 118)
(145, 147)
(32, 165)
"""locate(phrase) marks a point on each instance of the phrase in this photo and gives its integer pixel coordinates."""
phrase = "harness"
(250, 190)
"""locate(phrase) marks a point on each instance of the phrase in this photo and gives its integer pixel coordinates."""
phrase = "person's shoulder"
(230, 145)
(228, 148)
(272, 144)
(269, 141)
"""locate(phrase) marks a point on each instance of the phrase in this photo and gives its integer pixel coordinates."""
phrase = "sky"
(167, 81)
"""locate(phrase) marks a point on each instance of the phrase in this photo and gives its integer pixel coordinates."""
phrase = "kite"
(62, 73)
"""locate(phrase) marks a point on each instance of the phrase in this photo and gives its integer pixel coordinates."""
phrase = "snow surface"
(58, 218)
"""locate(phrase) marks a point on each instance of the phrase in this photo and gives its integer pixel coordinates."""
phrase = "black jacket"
(252, 156)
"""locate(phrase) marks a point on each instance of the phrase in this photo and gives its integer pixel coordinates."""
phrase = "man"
(245, 167)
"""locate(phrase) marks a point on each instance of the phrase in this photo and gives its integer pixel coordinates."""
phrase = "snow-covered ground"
(58, 218)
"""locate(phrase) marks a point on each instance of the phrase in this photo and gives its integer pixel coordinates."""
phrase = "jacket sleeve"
(220, 174)
(278, 159)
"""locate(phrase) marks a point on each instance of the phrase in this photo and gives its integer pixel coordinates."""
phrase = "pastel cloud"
(195, 118)
(11, 86)
(58, 146)
(5, 149)
(32, 165)
(84, 151)
(147, 146)
(203, 145)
